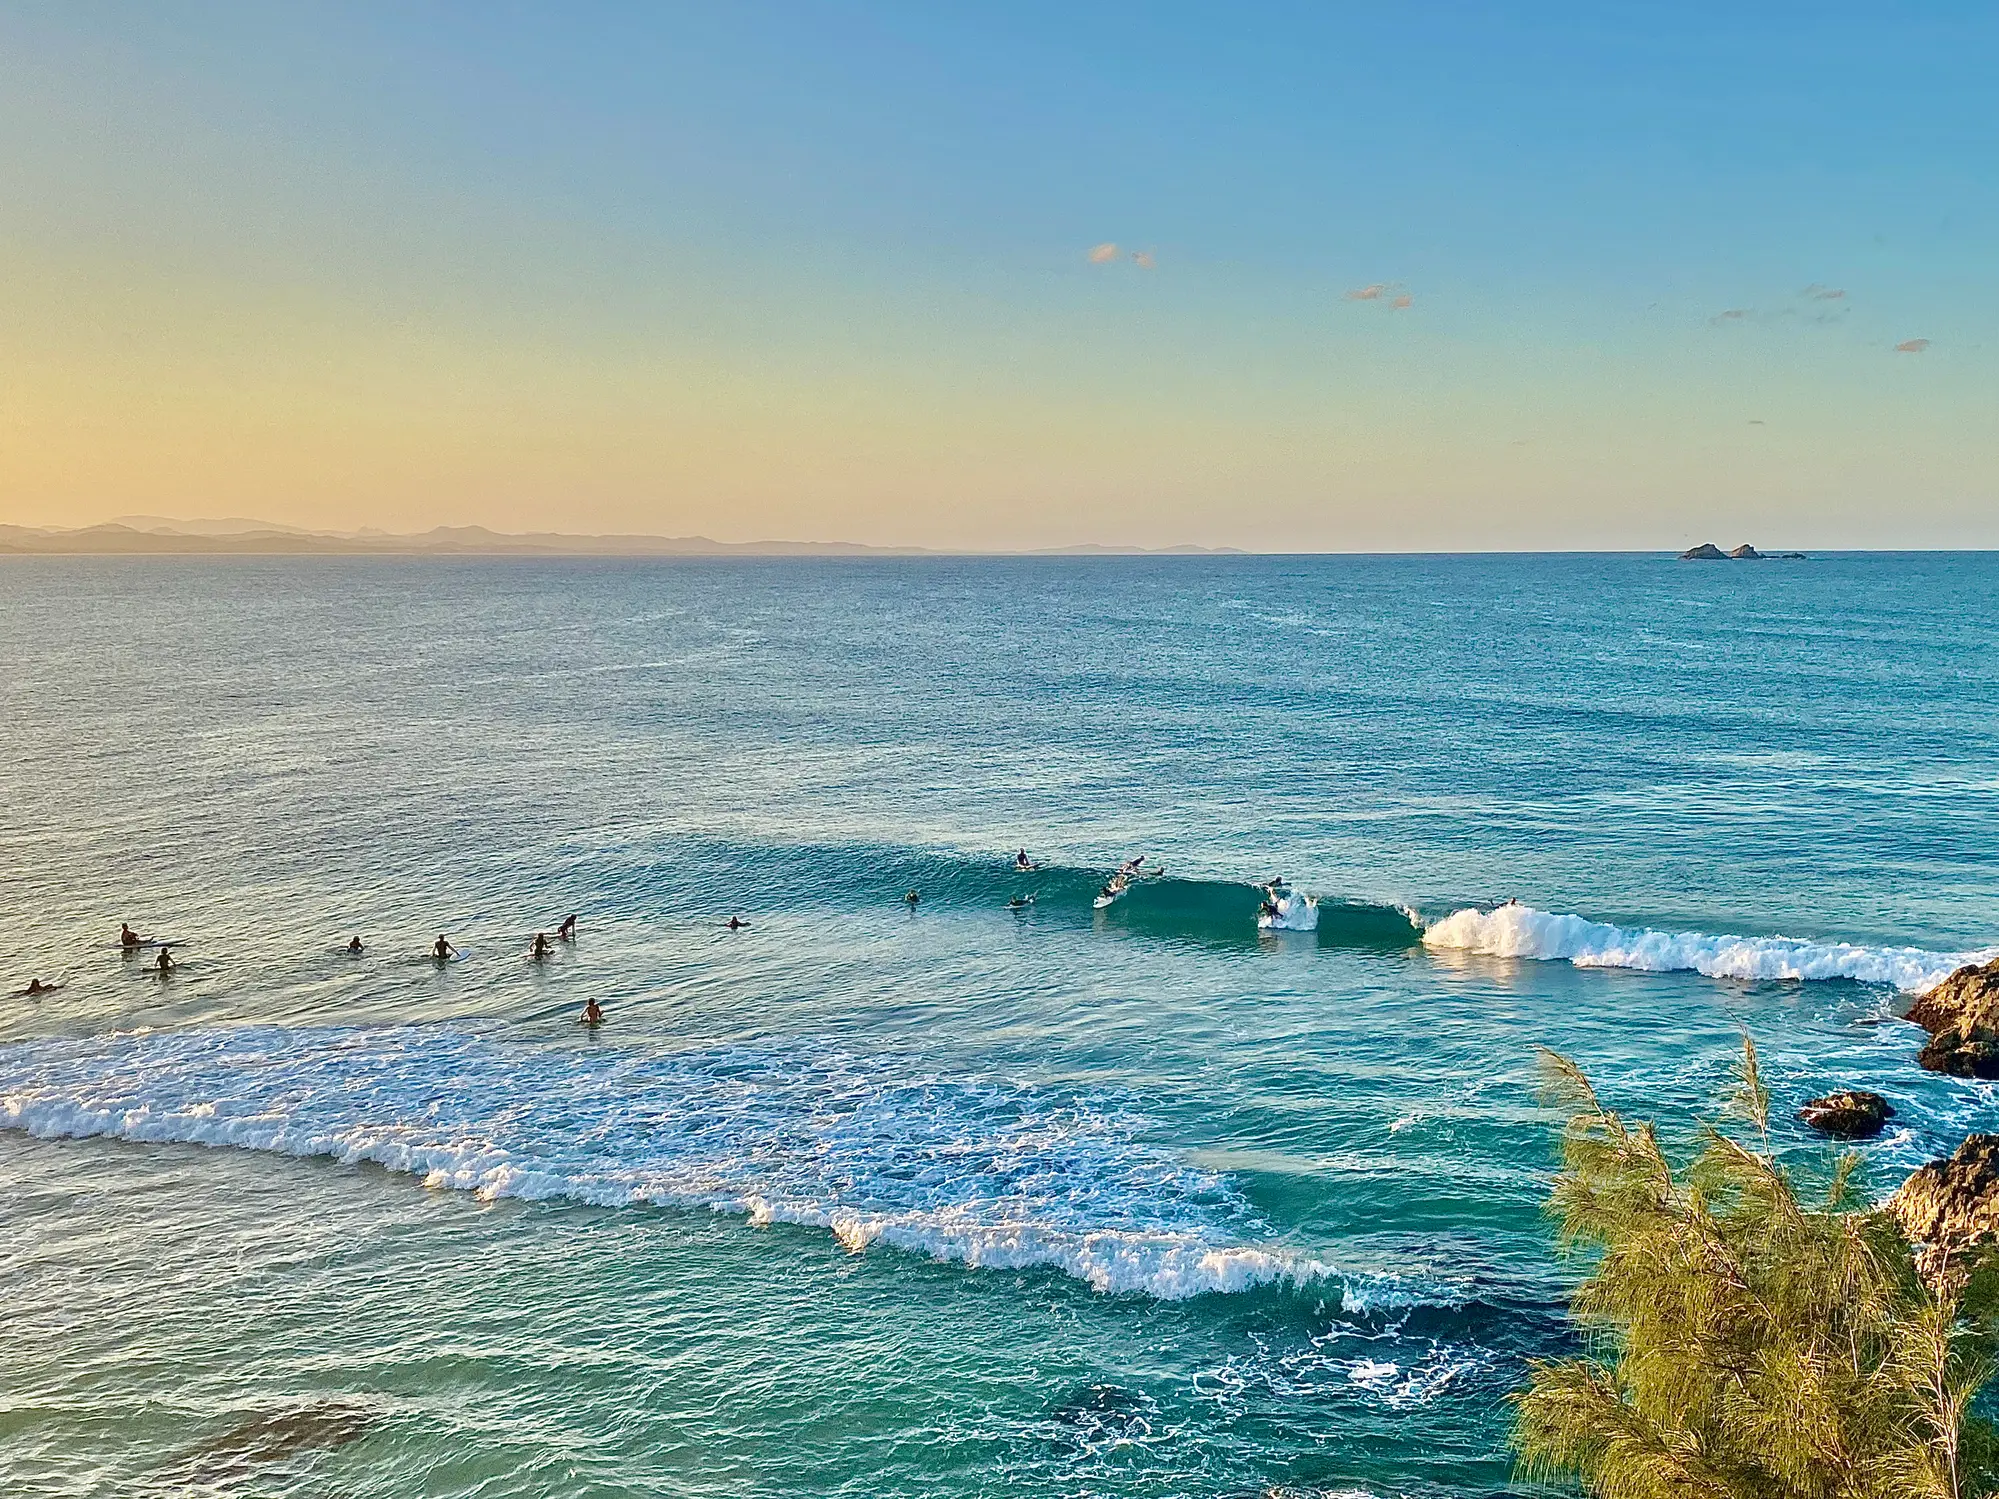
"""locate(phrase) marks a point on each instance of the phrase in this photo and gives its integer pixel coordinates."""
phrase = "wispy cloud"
(1368, 293)
(1817, 293)
(1912, 346)
(1144, 259)
(1404, 300)
(1733, 315)
(1103, 254)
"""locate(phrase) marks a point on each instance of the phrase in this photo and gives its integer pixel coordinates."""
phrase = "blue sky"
(825, 271)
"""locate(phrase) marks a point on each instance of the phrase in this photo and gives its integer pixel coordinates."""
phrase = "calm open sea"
(875, 1200)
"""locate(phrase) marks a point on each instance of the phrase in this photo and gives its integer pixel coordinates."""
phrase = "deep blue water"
(878, 1200)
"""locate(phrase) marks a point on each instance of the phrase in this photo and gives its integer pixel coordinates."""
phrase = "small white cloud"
(1912, 346)
(1144, 259)
(1368, 293)
(1103, 254)
(1404, 300)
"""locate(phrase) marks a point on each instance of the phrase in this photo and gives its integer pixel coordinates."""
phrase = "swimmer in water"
(441, 950)
(164, 964)
(1020, 903)
(567, 931)
(127, 937)
(354, 947)
(541, 949)
(592, 1014)
(735, 923)
(913, 897)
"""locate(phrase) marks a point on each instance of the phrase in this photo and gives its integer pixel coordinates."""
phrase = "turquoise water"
(874, 1200)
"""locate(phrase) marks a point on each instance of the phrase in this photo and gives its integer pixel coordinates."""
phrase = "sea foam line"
(973, 1170)
(1523, 932)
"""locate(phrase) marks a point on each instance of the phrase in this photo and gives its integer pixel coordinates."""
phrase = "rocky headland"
(1962, 1016)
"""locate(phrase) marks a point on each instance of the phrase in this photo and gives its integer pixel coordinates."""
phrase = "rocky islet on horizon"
(1707, 551)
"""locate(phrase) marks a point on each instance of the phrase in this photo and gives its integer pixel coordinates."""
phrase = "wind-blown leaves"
(1743, 1343)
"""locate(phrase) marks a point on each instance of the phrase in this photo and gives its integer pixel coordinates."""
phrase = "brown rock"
(1849, 1114)
(1962, 1016)
(1948, 1206)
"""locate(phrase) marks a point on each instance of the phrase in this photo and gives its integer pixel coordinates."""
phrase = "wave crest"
(1523, 932)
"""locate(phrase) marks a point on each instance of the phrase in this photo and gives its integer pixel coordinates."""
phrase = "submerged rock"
(1948, 1206)
(1962, 1016)
(1849, 1114)
(1707, 551)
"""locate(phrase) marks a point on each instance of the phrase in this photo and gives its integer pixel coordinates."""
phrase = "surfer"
(1130, 867)
(592, 1013)
(36, 988)
(541, 948)
(354, 948)
(1020, 903)
(735, 923)
(567, 931)
(912, 898)
(441, 950)
(164, 964)
(129, 938)
(1024, 864)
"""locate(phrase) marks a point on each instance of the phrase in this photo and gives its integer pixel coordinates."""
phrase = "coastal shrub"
(1743, 1342)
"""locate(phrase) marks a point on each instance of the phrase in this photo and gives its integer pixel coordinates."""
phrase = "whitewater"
(1518, 931)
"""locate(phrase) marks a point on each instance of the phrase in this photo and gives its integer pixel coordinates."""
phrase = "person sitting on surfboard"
(1022, 862)
(127, 937)
(164, 963)
(441, 950)
(735, 923)
(567, 931)
(541, 949)
(354, 946)
(592, 1014)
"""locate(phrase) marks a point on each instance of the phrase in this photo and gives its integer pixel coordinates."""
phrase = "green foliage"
(1746, 1344)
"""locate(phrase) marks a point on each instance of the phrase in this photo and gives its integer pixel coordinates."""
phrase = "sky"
(994, 276)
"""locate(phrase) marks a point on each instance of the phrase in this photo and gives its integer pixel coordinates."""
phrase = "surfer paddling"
(735, 923)
(567, 931)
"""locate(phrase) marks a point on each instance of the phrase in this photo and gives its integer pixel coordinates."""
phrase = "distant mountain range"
(150, 534)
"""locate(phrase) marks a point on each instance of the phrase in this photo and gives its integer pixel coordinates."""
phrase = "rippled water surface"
(878, 1199)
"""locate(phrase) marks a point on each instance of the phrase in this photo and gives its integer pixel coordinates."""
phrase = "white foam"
(1523, 932)
(976, 1171)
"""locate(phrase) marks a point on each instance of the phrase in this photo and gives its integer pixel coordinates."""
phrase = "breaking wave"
(1523, 932)
(975, 1170)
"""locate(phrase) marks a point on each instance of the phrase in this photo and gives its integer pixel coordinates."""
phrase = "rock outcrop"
(1707, 551)
(1962, 1016)
(1949, 1206)
(1849, 1114)
(1746, 553)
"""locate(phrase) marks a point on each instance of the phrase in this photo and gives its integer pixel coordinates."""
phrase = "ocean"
(873, 1198)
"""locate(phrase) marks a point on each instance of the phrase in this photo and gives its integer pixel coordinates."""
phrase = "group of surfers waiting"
(441, 951)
